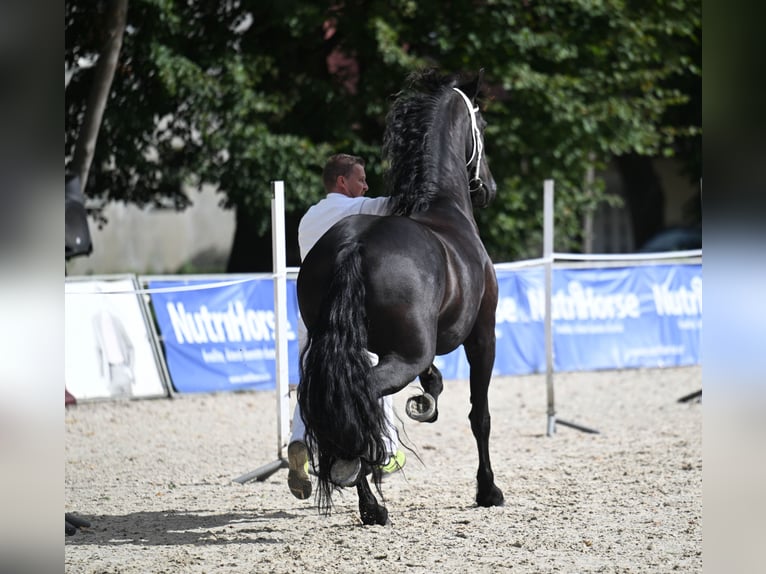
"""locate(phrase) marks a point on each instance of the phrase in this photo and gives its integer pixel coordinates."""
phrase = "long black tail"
(337, 395)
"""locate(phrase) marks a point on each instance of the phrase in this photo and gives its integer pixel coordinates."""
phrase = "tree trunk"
(587, 226)
(103, 74)
(252, 253)
(644, 196)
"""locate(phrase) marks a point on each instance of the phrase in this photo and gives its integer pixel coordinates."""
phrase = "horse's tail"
(342, 412)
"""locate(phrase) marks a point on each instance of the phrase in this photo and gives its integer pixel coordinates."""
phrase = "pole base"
(576, 426)
(553, 421)
(262, 472)
(691, 397)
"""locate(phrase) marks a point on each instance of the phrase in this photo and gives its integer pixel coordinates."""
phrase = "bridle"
(478, 146)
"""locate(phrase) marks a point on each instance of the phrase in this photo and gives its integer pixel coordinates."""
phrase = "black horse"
(409, 286)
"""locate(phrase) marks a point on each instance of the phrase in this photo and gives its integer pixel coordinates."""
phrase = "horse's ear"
(472, 88)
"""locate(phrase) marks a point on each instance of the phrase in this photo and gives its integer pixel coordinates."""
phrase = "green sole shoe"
(298, 470)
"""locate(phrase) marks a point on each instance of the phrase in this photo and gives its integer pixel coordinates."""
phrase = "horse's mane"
(406, 146)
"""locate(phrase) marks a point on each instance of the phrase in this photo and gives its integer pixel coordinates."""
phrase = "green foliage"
(240, 93)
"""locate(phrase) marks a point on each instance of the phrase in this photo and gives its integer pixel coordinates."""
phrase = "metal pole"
(548, 266)
(280, 314)
(280, 334)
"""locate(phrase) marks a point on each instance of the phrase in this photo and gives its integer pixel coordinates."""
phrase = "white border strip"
(627, 256)
(292, 272)
(521, 264)
(169, 289)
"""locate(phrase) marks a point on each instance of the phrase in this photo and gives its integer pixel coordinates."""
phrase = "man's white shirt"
(327, 212)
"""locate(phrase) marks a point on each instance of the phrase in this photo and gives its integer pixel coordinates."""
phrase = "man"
(345, 181)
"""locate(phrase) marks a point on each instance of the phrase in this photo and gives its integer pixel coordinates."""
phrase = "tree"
(189, 106)
(240, 93)
(576, 83)
(103, 74)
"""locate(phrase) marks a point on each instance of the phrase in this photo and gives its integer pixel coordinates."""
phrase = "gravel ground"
(155, 479)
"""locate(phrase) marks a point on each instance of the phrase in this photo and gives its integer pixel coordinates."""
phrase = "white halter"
(478, 146)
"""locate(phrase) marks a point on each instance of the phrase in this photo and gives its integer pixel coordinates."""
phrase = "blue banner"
(222, 338)
(647, 316)
(520, 335)
(609, 318)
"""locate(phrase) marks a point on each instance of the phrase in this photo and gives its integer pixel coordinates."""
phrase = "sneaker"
(298, 474)
(395, 463)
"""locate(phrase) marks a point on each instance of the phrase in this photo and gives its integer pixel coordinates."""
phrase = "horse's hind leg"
(424, 408)
(481, 355)
(370, 511)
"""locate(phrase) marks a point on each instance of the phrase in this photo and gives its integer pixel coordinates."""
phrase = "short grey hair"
(338, 165)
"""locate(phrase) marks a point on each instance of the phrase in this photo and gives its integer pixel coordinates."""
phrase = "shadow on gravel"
(171, 528)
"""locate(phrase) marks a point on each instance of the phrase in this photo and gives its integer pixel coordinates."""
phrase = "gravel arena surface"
(155, 479)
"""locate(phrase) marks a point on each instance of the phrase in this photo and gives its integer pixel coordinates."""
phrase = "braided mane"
(411, 173)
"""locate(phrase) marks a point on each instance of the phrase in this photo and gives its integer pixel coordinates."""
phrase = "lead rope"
(478, 146)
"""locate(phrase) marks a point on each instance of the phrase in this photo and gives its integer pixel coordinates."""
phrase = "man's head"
(344, 173)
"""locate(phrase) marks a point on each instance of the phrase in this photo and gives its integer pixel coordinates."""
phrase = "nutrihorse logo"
(236, 324)
(222, 337)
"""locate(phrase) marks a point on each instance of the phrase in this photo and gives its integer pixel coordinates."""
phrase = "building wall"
(612, 229)
(159, 241)
(152, 241)
(678, 190)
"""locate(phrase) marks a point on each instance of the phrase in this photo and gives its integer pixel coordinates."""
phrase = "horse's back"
(402, 261)
(415, 281)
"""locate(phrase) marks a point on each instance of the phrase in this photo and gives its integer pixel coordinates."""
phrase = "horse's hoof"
(346, 473)
(421, 408)
(382, 518)
(492, 498)
(375, 517)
